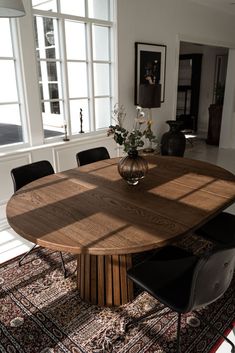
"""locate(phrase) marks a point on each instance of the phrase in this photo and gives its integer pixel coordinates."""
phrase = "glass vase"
(133, 167)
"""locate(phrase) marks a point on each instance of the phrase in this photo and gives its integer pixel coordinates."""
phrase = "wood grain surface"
(91, 210)
(102, 279)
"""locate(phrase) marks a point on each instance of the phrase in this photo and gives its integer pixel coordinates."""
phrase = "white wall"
(165, 22)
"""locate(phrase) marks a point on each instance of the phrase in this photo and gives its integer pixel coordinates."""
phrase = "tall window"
(11, 131)
(73, 43)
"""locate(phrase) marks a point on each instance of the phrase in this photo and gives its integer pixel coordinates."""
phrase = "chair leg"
(63, 266)
(178, 333)
(61, 256)
(26, 254)
(150, 313)
(218, 331)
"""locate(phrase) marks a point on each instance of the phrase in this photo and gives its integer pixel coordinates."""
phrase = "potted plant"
(132, 167)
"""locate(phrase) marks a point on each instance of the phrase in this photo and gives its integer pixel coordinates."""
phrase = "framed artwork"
(150, 67)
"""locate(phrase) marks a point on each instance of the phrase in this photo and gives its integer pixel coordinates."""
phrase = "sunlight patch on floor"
(12, 245)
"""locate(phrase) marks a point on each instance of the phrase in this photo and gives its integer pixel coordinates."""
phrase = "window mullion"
(43, 64)
(90, 71)
(19, 81)
(64, 74)
(8, 103)
(111, 73)
(72, 17)
(114, 57)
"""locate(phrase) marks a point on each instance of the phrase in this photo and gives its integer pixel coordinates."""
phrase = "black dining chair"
(24, 175)
(92, 155)
(220, 230)
(184, 282)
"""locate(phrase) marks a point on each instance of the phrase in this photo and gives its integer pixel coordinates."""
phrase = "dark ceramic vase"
(133, 167)
(173, 141)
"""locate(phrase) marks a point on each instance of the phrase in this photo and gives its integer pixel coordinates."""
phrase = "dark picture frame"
(150, 67)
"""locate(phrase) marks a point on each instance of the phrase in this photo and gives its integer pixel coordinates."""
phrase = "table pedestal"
(102, 279)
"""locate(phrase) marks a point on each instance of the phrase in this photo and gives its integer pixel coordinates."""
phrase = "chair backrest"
(212, 276)
(25, 174)
(92, 155)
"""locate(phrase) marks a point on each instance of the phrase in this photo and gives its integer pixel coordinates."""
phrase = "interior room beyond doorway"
(201, 83)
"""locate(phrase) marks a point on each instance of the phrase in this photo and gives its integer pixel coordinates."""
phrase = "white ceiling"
(222, 5)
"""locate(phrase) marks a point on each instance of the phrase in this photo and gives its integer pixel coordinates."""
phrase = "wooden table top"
(92, 210)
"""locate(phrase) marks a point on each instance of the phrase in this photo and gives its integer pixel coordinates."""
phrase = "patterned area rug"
(41, 312)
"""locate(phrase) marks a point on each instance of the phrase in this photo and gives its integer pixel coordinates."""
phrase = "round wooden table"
(92, 212)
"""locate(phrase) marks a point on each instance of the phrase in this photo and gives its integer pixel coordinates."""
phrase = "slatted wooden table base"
(102, 279)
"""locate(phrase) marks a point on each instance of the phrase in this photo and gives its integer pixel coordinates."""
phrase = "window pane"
(51, 53)
(39, 71)
(101, 79)
(49, 70)
(10, 124)
(75, 106)
(50, 80)
(73, 7)
(53, 90)
(8, 93)
(49, 5)
(53, 119)
(6, 46)
(52, 71)
(102, 112)
(101, 43)
(48, 53)
(75, 40)
(82, 77)
(55, 108)
(49, 31)
(77, 75)
(41, 92)
(46, 38)
(99, 9)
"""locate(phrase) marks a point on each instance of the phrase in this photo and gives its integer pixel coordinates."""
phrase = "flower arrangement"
(133, 139)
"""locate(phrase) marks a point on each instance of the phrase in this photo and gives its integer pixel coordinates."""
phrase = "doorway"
(201, 83)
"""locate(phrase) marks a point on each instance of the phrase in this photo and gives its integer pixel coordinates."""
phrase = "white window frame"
(16, 58)
(90, 62)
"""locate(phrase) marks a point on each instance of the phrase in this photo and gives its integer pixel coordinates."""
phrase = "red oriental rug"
(41, 312)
